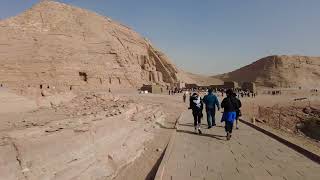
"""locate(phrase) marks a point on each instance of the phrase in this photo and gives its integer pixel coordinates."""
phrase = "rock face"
(92, 137)
(280, 71)
(60, 47)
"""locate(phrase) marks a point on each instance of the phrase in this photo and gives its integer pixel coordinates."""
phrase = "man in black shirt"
(230, 106)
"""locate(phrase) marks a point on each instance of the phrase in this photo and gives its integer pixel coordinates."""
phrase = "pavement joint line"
(269, 172)
(310, 155)
(169, 147)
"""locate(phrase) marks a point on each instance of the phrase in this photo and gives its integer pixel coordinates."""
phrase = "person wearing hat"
(230, 106)
(197, 106)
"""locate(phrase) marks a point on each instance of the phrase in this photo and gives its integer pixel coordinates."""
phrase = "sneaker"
(228, 136)
(237, 127)
(209, 127)
(200, 132)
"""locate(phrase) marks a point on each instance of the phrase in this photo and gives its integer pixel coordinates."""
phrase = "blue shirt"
(211, 101)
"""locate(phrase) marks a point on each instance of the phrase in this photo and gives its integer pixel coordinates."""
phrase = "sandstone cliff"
(280, 71)
(58, 47)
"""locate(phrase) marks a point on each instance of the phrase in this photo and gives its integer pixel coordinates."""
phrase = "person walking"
(230, 105)
(184, 97)
(211, 101)
(196, 105)
(238, 111)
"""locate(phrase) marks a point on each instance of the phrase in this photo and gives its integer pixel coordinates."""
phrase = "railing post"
(279, 117)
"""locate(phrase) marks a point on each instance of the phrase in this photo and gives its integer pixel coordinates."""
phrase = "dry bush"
(294, 118)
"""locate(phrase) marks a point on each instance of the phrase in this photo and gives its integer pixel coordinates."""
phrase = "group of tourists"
(231, 105)
(174, 91)
(243, 94)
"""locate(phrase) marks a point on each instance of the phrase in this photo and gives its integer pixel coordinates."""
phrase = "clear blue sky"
(211, 36)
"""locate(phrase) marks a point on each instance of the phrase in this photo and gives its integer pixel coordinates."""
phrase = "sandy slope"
(201, 80)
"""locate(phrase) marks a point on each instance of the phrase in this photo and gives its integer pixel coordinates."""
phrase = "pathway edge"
(310, 155)
(168, 151)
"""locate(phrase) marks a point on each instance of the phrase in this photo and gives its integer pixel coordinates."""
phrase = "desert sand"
(70, 108)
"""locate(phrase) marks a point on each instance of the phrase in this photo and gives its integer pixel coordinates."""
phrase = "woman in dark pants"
(230, 106)
(196, 105)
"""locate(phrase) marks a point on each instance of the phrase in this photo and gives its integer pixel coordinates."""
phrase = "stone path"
(249, 155)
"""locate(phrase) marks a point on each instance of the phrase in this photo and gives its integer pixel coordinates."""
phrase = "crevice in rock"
(18, 157)
(41, 18)
(83, 171)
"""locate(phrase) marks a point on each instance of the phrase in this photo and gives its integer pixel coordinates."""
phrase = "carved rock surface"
(59, 47)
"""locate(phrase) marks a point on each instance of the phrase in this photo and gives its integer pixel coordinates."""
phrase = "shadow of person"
(219, 126)
(202, 125)
(191, 125)
(218, 137)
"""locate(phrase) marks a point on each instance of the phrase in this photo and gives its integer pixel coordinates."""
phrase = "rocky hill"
(58, 47)
(279, 71)
(201, 80)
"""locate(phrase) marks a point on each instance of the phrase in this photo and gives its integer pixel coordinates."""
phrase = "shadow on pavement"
(152, 174)
(191, 125)
(202, 125)
(218, 137)
(219, 126)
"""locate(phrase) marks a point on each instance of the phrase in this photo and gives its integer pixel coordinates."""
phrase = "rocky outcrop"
(58, 47)
(94, 136)
(280, 71)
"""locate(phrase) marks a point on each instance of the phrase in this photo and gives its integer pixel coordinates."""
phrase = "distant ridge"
(279, 71)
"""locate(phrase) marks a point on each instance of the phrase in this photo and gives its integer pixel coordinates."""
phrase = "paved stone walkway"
(249, 155)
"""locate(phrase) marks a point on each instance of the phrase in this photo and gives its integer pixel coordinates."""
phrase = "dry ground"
(285, 115)
(102, 135)
(93, 135)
